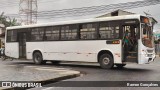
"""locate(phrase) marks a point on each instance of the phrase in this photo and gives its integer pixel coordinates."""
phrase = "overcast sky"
(12, 6)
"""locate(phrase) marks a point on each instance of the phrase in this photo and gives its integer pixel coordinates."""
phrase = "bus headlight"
(144, 52)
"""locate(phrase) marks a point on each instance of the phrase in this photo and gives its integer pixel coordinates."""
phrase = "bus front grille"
(150, 51)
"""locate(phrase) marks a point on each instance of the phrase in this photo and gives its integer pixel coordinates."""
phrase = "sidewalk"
(158, 55)
(9, 71)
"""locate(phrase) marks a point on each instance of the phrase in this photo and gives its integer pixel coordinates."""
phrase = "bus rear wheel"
(106, 61)
(38, 59)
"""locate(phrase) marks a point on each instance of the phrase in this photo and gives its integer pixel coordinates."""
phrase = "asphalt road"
(131, 72)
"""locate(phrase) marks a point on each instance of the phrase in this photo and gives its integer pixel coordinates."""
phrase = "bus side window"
(88, 31)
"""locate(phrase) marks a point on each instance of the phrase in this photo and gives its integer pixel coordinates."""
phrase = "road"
(131, 72)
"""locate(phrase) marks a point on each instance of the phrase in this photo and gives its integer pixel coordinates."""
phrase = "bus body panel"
(144, 55)
(12, 49)
(78, 50)
(33, 46)
(86, 51)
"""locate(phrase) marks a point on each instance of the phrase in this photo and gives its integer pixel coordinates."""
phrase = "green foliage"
(7, 21)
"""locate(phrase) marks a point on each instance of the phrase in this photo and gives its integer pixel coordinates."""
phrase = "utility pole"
(28, 11)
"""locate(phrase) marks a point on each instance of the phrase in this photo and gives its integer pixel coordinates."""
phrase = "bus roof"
(135, 16)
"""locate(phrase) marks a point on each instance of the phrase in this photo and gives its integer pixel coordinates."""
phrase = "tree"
(7, 21)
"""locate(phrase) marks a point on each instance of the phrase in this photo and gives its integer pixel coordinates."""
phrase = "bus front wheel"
(37, 58)
(106, 61)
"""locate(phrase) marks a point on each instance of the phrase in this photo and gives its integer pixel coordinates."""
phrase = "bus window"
(69, 32)
(88, 31)
(37, 34)
(52, 33)
(147, 35)
(116, 32)
(11, 35)
(108, 31)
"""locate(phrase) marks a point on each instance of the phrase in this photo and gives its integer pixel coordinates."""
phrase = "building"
(2, 34)
(122, 12)
(116, 13)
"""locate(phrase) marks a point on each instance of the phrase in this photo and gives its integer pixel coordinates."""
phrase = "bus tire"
(37, 58)
(106, 61)
(55, 62)
(120, 65)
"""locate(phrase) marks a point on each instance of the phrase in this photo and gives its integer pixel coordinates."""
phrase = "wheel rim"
(37, 58)
(106, 60)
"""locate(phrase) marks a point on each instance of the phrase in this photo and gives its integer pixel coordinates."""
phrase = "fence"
(157, 49)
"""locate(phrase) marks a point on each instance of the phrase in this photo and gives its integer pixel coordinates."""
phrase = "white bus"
(90, 40)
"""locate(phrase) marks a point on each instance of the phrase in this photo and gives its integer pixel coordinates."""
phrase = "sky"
(12, 7)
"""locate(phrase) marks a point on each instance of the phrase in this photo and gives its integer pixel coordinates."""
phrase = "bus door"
(130, 43)
(22, 44)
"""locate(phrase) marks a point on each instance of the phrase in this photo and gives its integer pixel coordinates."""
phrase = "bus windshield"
(147, 35)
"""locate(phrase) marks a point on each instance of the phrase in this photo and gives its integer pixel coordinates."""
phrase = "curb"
(48, 81)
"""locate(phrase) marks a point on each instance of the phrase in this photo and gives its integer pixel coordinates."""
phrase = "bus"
(100, 40)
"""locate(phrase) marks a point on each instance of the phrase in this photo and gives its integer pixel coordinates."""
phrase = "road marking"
(51, 69)
(50, 88)
(31, 66)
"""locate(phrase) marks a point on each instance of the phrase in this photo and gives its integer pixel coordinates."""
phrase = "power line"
(8, 4)
(28, 14)
(95, 9)
(92, 10)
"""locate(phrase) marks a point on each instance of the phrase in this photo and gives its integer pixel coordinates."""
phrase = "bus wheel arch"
(105, 59)
(38, 57)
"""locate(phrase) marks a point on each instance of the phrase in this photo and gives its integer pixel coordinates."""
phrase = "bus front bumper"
(146, 58)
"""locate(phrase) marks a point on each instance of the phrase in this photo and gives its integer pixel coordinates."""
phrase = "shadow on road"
(86, 66)
(129, 69)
